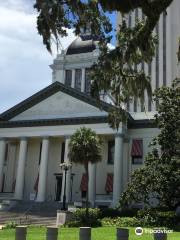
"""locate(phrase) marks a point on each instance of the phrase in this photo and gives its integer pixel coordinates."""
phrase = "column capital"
(45, 137)
(23, 138)
(67, 137)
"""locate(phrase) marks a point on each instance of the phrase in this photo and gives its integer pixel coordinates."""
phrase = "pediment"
(59, 105)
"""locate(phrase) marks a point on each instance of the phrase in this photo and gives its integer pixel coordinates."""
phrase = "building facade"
(164, 68)
(34, 134)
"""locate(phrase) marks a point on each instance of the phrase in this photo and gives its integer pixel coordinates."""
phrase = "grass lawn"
(102, 233)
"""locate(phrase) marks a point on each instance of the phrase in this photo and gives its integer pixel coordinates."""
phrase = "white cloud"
(24, 59)
(110, 46)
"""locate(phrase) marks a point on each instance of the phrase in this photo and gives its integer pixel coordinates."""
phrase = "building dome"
(82, 44)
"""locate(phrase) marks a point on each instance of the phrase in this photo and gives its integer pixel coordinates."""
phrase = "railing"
(25, 217)
(25, 214)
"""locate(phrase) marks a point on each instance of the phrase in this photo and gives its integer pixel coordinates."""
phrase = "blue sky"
(112, 17)
(24, 60)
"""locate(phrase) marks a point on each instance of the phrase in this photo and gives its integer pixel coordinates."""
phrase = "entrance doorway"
(58, 187)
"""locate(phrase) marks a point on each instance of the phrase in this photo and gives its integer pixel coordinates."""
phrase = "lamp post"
(65, 167)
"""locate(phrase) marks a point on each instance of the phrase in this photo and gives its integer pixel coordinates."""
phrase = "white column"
(2, 158)
(68, 176)
(41, 196)
(73, 78)
(92, 184)
(83, 80)
(118, 169)
(19, 188)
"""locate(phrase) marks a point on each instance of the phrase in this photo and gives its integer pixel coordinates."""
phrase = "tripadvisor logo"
(138, 231)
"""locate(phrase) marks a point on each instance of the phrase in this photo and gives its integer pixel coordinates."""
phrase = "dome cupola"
(85, 43)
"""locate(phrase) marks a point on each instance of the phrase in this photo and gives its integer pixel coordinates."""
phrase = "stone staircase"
(6, 201)
(33, 213)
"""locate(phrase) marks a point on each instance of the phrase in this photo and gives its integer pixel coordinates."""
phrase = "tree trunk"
(87, 193)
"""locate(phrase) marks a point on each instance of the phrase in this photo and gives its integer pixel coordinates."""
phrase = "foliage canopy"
(160, 176)
(85, 148)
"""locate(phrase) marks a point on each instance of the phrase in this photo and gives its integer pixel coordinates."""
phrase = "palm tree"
(85, 148)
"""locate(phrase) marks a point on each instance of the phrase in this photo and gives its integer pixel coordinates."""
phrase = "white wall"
(168, 34)
(147, 135)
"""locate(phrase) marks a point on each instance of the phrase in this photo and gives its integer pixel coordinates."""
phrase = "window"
(149, 97)
(137, 151)
(137, 160)
(78, 78)
(130, 20)
(62, 152)
(68, 78)
(164, 48)
(111, 152)
(87, 81)
(157, 58)
(83, 194)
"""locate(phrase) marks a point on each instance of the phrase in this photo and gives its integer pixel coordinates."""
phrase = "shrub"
(129, 212)
(146, 218)
(109, 212)
(112, 213)
(80, 219)
(11, 224)
(153, 217)
(120, 222)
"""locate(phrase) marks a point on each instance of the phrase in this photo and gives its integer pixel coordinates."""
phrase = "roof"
(47, 92)
(82, 44)
(143, 123)
(54, 122)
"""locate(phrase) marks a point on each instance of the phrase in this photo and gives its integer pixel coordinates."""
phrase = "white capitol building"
(34, 134)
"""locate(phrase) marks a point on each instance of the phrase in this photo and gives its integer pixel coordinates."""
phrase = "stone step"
(20, 219)
(31, 213)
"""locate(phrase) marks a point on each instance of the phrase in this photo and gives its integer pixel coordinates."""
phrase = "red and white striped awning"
(109, 183)
(84, 183)
(137, 148)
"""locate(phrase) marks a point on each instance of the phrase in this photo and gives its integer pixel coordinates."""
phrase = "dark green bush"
(147, 217)
(129, 212)
(73, 224)
(109, 212)
(80, 220)
(153, 217)
(112, 213)
(11, 224)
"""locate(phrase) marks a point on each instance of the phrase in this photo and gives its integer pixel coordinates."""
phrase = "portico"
(24, 144)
